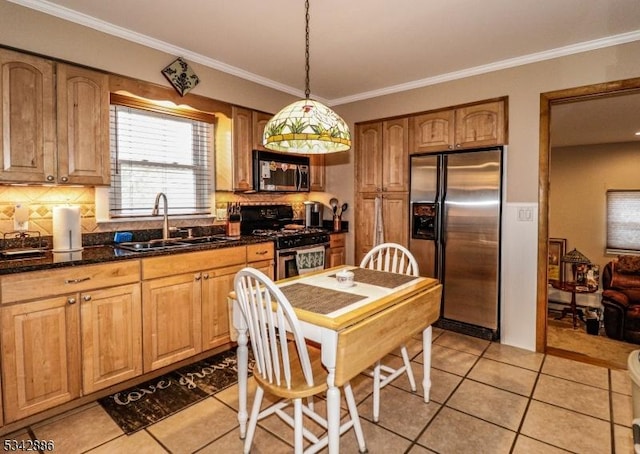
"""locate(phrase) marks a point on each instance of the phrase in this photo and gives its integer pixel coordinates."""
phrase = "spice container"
(337, 223)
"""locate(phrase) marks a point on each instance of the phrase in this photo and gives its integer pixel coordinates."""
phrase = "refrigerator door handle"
(441, 236)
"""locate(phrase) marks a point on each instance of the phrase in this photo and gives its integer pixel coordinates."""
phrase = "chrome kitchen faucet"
(165, 223)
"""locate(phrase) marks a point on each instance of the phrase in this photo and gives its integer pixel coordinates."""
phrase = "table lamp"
(576, 258)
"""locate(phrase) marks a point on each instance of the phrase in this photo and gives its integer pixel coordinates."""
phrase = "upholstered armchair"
(621, 298)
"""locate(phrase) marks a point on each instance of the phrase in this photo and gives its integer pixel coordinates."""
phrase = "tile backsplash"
(41, 200)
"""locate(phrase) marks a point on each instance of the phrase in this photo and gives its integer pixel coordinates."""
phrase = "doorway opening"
(549, 100)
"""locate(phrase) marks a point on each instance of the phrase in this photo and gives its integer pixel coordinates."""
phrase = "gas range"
(276, 222)
(292, 238)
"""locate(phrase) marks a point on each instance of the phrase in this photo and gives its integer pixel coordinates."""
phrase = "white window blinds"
(623, 221)
(155, 152)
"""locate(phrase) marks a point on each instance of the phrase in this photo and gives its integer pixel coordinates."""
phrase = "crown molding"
(120, 32)
(496, 66)
(138, 38)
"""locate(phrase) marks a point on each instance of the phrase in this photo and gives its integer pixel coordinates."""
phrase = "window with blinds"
(154, 152)
(623, 221)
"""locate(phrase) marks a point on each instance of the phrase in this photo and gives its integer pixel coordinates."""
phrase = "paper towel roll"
(67, 233)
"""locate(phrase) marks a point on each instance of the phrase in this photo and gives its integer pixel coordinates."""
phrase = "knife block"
(233, 226)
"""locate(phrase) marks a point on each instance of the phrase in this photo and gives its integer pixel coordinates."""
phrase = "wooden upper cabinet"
(395, 160)
(242, 148)
(382, 158)
(433, 131)
(478, 125)
(53, 133)
(83, 126)
(248, 128)
(259, 121)
(27, 118)
(369, 157)
(317, 172)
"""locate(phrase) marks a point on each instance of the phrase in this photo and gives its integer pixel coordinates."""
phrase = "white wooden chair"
(393, 258)
(285, 366)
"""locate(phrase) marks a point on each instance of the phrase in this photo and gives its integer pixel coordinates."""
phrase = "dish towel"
(311, 259)
(378, 222)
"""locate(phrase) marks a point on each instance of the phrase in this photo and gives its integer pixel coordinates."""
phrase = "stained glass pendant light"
(307, 126)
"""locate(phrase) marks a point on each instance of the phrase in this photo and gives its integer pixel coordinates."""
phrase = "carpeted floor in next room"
(577, 344)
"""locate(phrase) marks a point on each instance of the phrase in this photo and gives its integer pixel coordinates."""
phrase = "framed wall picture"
(557, 248)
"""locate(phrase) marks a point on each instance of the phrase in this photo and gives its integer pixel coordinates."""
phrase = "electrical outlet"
(21, 217)
(525, 214)
(20, 226)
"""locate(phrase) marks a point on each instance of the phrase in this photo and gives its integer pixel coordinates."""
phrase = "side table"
(574, 289)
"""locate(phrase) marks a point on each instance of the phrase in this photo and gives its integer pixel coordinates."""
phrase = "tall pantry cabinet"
(381, 159)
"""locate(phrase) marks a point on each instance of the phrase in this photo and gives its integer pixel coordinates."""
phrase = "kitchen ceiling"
(362, 48)
(359, 48)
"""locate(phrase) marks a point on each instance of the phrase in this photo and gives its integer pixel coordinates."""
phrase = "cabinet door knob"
(87, 297)
(458, 145)
(205, 275)
(71, 300)
(50, 178)
(64, 179)
(198, 277)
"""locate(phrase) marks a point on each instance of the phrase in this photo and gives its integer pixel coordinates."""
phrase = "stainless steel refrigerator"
(455, 234)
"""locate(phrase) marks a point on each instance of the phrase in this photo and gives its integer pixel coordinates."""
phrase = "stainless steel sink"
(161, 245)
(152, 245)
(205, 239)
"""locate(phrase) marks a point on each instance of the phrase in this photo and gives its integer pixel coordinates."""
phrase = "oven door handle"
(293, 250)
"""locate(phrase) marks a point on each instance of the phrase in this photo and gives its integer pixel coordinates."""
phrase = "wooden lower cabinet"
(337, 254)
(111, 322)
(40, 355)
(185, 314)
(111, 326)
(395, 208)
(171, 314)
(261, 256)
(216, 285)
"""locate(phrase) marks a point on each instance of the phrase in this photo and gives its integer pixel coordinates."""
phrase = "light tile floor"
(486, 398)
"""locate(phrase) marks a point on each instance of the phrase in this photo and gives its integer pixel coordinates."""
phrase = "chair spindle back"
(391, 257)
(270, 318)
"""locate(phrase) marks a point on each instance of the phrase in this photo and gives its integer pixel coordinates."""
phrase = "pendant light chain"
(307, 90)
(306, 126)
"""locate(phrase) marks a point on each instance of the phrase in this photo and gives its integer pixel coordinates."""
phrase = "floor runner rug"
(138, 407)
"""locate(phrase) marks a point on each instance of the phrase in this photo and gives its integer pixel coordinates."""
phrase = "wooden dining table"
(354, 326)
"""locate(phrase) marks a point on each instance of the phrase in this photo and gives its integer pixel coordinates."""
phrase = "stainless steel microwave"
(275, 172)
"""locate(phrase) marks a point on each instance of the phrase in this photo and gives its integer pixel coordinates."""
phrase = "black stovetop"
(276, 221)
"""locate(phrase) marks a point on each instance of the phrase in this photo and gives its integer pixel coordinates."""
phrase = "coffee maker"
(313, 214)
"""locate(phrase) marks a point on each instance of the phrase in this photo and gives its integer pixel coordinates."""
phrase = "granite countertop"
(107, 253)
